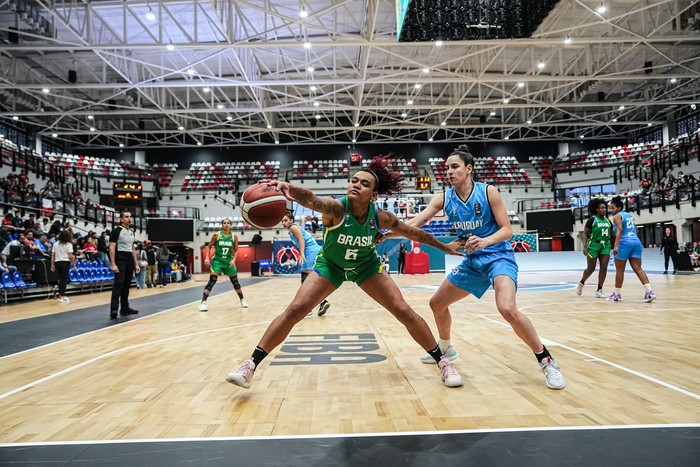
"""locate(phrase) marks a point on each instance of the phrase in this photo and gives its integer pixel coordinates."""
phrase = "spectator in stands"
(56, 227)
(5, 236)
(30, 221)
(669, 248)
(7, 222)
(152, 268)
(19, 241)
(44, 246)
(89, 249)
(23, 178)
(45, 226)
(626, 247)
(175, 267)
(143, 264)
(314, 224)
(17, 220)
(695, 255)
(163, 258)
(49, 191)
(122, 256)
(103, 248)
(183, 269)
(61, 259)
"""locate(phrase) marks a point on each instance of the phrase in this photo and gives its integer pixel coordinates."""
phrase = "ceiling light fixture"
(409, 102)
(357, 124)
(601, 8)
(506, 100)
(170, 47)
(303, 13)
(622, 107)
(438, 43)
(150, 16)
(443, 123)
(674, 80)
(507, 138)
(426, 70)
(310, 69)
(529, 122)
(430, 139)
(312, 88)
(55, 135)
(307, 45)
(190, 71)
(318, 116)
(229, 118)
(493, 113)
(92, 128)
(45, 90)
(90, 117)
(614, 120)
(316, 104)
(269, 126)
(540, 65)
(205, 89)
(15, 117)
(277, 141)
(567, 39)
(417, 85)
(181, 128)
(354, 140)
(199, 143)
(219, 106)
(521, 84)
(121, 145)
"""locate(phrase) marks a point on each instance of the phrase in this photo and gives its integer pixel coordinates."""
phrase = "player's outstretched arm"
(332, 209)
(388, 220)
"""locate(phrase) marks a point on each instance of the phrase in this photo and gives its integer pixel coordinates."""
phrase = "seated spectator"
(17, 220)
(44, 246)
(30, 221)
(18, 242)
(89, 249)
(175, 267)
(45, 226)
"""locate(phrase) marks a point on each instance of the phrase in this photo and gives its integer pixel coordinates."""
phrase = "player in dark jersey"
(349, 254)
(596, 244)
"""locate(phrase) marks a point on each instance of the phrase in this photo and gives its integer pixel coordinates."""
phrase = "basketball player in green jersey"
(349, 254)
(224, 262)
(596, 241)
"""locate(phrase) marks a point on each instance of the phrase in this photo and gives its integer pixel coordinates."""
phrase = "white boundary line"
(607, 362)
(357, 435)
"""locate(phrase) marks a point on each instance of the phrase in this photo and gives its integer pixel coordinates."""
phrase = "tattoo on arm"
(309, 200)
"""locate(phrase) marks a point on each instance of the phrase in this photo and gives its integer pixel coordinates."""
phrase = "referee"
(122, 254)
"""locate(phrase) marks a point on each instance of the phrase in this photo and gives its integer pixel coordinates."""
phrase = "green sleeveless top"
(224, 248)
(350, 244)
(600, 230)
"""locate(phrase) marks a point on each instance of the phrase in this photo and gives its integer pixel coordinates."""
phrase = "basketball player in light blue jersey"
(627, 246)
(479, 215)
(308, 251)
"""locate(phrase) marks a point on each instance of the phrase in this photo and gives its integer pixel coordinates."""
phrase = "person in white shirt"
(61, 259)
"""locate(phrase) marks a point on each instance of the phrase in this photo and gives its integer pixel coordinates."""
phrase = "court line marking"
(607, 362)
(356, 435)
(117, 351)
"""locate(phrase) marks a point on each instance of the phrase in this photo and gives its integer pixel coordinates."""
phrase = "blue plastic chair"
(7, 281)
(19, 282)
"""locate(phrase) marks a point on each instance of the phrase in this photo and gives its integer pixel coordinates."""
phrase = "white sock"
(647, 286)
(617, 291)
(444, 344)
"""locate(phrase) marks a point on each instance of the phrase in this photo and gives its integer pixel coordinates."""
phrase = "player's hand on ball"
(280, 186)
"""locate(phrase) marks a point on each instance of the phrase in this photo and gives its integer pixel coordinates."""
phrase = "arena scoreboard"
(423, 182)
(127, 192)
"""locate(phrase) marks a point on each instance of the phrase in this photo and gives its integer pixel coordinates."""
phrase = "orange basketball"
(262, 206)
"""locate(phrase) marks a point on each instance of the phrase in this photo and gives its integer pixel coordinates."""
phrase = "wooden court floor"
(356, 370)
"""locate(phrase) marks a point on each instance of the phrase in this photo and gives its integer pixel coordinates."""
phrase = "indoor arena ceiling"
(174, 73)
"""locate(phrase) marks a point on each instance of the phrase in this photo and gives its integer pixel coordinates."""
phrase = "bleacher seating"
(165, 173)
(227, 175)
(597, 158)
(318, 169)
(407, 168)
(496, 169)
(101, 167)
(543, 165)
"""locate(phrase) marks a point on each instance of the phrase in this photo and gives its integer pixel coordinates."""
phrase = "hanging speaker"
(482, 118)
(256, 240)
(648, 67)
(601, 96)
(72, 76)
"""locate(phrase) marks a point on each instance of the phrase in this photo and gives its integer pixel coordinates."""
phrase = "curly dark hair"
(387, 182)
(593, 205)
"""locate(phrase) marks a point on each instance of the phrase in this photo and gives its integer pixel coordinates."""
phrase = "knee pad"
(212, 281)
(234, 281)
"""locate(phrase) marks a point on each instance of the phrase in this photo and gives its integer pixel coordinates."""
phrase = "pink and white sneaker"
(242, 376)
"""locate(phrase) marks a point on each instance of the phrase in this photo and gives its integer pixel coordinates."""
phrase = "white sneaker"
(450, 354)
(242, 376)
(552, 373)
(600, 294)
(203, 306)
(449, 374)
(579, 288)
(244, 304)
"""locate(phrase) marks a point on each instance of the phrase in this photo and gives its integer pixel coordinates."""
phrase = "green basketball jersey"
(600, 231)
(224, 248)
(350, 244)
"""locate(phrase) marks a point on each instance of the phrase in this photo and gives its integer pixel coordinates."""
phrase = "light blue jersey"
(630, 246)
(311, 248)
(473, 216)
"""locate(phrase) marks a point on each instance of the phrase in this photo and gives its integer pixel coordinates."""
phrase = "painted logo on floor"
(522, 287)
(325, 349)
